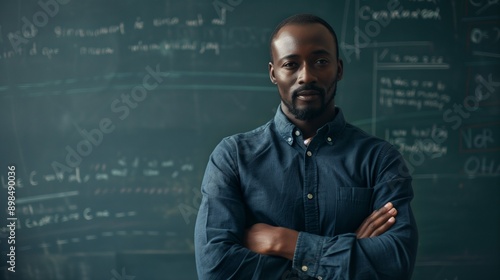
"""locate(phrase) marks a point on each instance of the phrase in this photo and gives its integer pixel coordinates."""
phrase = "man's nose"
(307, 75)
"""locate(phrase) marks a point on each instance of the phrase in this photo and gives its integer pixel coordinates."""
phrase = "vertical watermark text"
(11, 219)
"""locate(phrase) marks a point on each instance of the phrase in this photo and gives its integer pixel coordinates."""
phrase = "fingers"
(370, 221)
(384, 227)
(378, 222)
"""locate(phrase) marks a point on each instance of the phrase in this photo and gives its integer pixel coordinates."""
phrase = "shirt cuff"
(308, 254)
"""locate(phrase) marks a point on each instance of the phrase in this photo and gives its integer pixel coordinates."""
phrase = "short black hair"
(302, 19)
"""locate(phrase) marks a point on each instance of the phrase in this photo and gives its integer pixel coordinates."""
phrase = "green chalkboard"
(110, 109)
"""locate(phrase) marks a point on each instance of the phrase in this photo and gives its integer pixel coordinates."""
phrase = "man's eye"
(289, 64)
(322, 61)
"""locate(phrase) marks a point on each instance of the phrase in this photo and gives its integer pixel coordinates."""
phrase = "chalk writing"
(418, 94)
(483, 39)
(176, 45)
(482, 165)
(195, 22)
(419, 140)
(169, 21)
(96, 51)
(184, 34)
(61, 32)
(431, 59)
(480, 137)
(368, 13)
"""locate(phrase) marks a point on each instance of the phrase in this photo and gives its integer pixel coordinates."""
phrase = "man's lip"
(308, 92)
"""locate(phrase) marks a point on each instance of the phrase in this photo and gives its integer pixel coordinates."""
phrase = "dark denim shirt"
(324, 190)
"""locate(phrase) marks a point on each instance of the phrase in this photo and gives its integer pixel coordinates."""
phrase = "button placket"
(310, 189)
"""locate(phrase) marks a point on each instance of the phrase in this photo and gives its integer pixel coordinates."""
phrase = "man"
(295, 198)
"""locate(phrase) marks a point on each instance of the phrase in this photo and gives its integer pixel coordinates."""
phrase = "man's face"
(306, 69)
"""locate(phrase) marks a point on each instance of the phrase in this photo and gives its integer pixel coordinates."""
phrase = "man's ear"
(340, 69)
(271, 73)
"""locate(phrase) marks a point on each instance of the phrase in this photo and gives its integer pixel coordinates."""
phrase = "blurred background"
(110, 109)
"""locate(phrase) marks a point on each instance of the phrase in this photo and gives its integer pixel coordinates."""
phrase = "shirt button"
(289, 139)
(309, 153)
(304, 268)
(320, 278)
(329, 139)
(297, 133)
(310, 196)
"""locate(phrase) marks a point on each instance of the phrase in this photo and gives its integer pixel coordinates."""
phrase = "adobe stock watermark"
(94, 137)
(484, 89)
(221, 6)
(40, 19)
(188, 210)
(372, 29)
(122, 276)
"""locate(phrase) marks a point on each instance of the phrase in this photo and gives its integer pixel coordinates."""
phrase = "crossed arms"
(279, 241)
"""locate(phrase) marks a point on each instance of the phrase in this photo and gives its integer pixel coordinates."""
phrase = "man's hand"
(378, 222)
(269, 240)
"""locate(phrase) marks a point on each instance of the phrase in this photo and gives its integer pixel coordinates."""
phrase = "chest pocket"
(353, 206)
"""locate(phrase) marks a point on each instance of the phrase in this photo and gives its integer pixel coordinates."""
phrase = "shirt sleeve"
(388, 256)
(221, 223)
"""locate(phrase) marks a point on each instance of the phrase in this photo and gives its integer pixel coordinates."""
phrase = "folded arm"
(279, 241)
(221, 223)
(366, 254)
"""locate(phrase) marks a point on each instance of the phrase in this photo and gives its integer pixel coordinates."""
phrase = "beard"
(307, 114)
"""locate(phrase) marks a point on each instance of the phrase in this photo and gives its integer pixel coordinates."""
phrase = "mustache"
(310, 87)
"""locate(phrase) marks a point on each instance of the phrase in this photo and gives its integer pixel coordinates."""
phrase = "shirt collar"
(330, 131)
